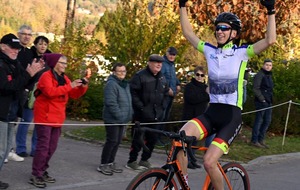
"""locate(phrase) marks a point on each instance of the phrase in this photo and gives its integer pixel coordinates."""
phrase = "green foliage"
(89, 106)
(137, 29)
(286, 78)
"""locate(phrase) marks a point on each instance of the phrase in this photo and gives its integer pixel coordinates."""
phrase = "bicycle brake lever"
(182, 137)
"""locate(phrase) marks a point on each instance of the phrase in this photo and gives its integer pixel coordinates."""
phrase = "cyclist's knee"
(190, 130)
(209, 163)
(211, 157)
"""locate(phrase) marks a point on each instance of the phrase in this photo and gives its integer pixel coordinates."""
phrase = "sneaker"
(6, 160)
(37, 182)
(264, 145)
(134, 166)
(3, 185)
(14, 157)
(114, 168)
(47, 178)
(23, 154)
(257, 144)
(105, 169)
(145, 164)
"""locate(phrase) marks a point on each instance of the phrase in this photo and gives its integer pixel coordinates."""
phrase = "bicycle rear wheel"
(237, 177)
(153, 178)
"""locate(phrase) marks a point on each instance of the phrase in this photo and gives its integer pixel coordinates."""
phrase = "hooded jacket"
(117, 101)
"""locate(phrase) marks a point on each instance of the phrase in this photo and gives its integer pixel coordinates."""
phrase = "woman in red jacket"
(53, 91)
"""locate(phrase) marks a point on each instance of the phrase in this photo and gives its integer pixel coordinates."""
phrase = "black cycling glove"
(182, 3)
(269, 4)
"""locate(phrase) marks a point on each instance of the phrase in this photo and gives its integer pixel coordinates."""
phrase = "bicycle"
(235, 175)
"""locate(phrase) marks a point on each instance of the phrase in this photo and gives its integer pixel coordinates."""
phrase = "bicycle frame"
(173, 166)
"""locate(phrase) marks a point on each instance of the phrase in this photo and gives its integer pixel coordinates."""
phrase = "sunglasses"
(223, 28)
(198, 74)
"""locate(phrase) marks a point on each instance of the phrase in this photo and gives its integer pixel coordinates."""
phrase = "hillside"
(47, 16)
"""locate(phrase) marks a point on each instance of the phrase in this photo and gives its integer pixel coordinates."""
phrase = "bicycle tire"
(146, 179)
(237, 176)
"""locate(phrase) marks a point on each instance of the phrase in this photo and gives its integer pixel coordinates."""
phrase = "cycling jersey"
(226, 69)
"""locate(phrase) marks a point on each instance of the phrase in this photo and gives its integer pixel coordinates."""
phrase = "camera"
(83, 81)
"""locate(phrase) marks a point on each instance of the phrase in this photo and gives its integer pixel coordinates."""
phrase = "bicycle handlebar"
(181, 136)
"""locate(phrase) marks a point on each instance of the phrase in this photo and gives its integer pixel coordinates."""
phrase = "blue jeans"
(6, 139)
(22, 131)
(262, 122)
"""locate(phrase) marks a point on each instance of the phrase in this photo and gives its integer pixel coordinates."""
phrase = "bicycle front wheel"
(237, 177)
(153, 178)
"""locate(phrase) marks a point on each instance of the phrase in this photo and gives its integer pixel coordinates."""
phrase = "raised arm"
(270, 38)
(186, 27)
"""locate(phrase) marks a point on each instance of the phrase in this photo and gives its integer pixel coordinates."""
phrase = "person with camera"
(52, 94)
(226, 63)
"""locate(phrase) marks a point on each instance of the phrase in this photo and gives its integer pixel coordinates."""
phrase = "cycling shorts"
(221, 119)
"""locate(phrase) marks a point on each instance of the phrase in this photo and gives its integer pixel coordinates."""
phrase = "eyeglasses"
(172, 54)
(198, 74)
(64, 63)
(222, 28)
(25, 34)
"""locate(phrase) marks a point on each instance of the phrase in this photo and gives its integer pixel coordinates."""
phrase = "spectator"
(226, 64)
(40, 47)
(263, 90)
(246, 78)
(25, 58)
(117, 110)
(149, 91)
(53, 91)
(13, 79)
(195, 101)
(168, 70)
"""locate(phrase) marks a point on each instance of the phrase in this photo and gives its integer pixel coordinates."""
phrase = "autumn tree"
(137, 29)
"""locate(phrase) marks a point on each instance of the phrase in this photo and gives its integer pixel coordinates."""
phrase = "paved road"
(74, 166)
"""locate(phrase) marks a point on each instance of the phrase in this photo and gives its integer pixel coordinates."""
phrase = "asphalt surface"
(74, 167)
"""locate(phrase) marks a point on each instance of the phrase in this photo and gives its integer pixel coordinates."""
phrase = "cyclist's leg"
(228, 124)
(210, 160)
(195, 127)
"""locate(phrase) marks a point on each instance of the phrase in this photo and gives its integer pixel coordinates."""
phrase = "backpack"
(35, 92)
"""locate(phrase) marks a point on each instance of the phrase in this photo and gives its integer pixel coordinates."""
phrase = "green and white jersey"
(226, 69)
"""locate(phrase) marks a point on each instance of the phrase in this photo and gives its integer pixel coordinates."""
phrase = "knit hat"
(51, 59)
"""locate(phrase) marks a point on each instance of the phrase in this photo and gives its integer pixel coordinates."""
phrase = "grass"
(239, 151)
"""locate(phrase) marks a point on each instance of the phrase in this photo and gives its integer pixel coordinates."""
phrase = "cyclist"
(226, 65)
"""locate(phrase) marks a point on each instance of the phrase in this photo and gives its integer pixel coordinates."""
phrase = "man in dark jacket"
(149, 91)
(13, 78)
(263, 91)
